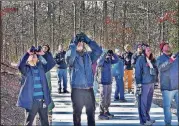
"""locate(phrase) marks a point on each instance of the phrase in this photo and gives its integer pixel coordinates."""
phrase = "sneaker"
(109, 115)
(103, 117)
(123, 100)
(148, 123)
(65, 91)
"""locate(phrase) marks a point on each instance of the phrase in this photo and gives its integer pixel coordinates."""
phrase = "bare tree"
(35, 24)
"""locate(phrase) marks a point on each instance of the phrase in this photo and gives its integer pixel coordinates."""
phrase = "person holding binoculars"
(80, 65)
(146, 75)
(34, 95)
(104, 78)
(168, 68)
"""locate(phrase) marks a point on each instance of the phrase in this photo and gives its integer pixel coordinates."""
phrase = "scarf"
(149, 62)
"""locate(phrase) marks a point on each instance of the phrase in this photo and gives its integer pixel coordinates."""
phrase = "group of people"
(93, 70)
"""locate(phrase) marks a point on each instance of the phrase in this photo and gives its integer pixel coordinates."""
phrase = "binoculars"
(80, 37)
(110, 53)
(35, 50)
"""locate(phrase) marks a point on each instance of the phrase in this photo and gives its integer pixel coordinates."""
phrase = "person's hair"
(61, 45)
(47, 47)
(151, 57)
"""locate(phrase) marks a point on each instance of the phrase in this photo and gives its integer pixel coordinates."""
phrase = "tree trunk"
(1, 37)
(124, 23)
(113, 24)
(82, 17)
(21, 35)
(35, 24)
(148, 23)
(74, 18)
(59, 21)
(95, 20)
(104, 24)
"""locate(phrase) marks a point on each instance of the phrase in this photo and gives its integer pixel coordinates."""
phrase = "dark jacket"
(168, 72)
(127, 64)
(135, 56)
(25, 98)
(81, 65)
(142, 71)
(105, 72)
(60, 60)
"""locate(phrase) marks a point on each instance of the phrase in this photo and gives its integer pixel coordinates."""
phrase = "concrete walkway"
(126, 114)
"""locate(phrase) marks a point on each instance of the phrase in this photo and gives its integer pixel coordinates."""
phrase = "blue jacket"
(60, 60)
(168, 72)
(135, 56)
(81, 65)
(105, 75)
(118, 69)
(142, 71)
(25, 98)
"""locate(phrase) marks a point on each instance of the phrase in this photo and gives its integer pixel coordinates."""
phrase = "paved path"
(126, 114)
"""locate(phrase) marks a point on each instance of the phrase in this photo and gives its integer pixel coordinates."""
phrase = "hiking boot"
(116, 99)
(148, 123)
(103, 117)
(59, 91)
(65, 91)
(122, 100)
(109, 115)
(129, 91)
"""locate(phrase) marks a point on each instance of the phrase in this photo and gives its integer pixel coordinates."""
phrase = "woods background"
(110, 23)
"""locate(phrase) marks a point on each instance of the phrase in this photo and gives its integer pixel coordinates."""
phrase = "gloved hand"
(32, 49)
(39, 48)
(156, 86)
(85, 38)
(139, 89)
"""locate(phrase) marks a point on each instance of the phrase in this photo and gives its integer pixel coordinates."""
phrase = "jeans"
(80, 98)
(168, 96)
(62, 74)
(119, 88)
(105, 98)
(37, 107)
(145, 102)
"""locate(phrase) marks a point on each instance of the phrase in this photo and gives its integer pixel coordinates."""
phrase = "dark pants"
(145, 102)
(80, 98)
(37, 107)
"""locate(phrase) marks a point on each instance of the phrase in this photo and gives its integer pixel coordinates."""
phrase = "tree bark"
(104, 24)
(74, 18)
(124, 23)
(1, 36)
(35, 24)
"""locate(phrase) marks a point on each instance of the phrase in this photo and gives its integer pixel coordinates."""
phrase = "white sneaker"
(148, 123)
